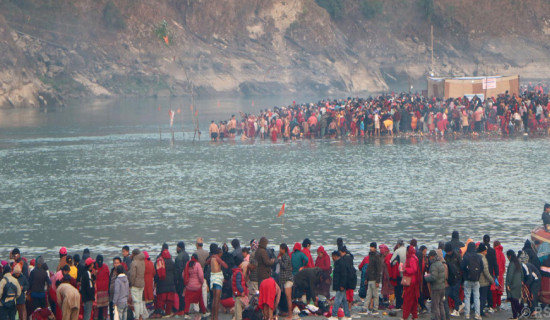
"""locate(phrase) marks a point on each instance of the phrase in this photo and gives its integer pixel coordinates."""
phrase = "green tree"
(371, 8)
(427, 7)
(335, 8)
(112, 18)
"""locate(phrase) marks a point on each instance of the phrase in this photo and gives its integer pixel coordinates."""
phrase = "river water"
(96, 175)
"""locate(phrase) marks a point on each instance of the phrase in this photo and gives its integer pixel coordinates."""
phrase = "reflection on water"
(121, 186)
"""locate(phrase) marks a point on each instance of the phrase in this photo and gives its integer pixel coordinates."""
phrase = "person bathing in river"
(214, 131)
(232, 126)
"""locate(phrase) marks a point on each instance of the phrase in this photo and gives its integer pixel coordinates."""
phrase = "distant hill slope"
(54, 49)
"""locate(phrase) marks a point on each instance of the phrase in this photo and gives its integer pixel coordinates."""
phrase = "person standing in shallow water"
(214, 131)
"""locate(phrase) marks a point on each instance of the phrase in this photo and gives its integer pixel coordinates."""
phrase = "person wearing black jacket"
(532, 279)
(471, 285)
(87, 287)
(347, 257)
(454, 260)
(493, 266)
(372, 278)
(455, 241)
(167, 286)
(307, 281)
(533, 259)
(181, 261)
(340, 278)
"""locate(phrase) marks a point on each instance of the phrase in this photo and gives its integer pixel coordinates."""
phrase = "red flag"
(179, 110)
(159, 108)
(196, 113)
(282, 211)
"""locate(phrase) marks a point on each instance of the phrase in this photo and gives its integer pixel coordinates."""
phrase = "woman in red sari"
(501, 264)
(273, 130)
(102, 287)
(411, 293)
(149, 277)
(323, 262)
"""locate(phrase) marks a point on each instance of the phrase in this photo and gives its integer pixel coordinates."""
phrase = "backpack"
(9, 295)
(454, 275)
(352, 278)
(161, 268)
(474, 268)
(362, 286)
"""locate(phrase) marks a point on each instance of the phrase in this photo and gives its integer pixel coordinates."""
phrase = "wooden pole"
(432, 32)
(283, 229)
(173, 138)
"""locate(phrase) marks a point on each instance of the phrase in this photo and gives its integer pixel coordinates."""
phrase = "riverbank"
(504, 313)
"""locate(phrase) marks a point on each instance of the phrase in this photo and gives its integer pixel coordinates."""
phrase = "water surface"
(102, 179)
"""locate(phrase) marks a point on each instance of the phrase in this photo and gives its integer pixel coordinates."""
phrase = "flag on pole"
(282, 211)
(171, 113)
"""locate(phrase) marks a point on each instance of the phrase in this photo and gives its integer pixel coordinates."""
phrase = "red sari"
(148, 296)
(102, 286)
(412, 292)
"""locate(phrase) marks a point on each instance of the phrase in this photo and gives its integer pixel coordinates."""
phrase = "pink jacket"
(196, 278)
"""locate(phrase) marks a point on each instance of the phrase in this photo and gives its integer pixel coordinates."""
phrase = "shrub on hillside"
(112, 18)
(427, 7)
(371, 8)
(335, 8)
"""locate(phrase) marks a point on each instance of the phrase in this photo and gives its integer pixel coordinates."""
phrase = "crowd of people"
(394, 114)
(458, 278)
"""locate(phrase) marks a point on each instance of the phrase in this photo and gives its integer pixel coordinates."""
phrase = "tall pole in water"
(432, 31)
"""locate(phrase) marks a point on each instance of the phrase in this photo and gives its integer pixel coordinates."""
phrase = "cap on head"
(486, 238)
(373, 245)
(135, 252)
(481, 248)
(63, 251)
(89, 261)
(200, 240)
(181, 245)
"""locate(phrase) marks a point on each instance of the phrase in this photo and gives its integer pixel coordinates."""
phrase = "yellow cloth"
(74, 272)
